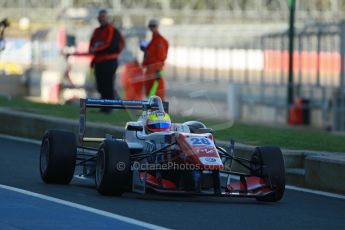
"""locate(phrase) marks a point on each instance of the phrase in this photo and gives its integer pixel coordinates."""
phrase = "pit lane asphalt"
(297, 210)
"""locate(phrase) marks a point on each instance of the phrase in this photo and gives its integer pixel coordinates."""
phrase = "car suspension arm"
(239, 160)
(141, 156)
(86, 160)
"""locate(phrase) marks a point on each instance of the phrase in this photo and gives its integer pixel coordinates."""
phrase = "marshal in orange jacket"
(106, 43)
(156, 52)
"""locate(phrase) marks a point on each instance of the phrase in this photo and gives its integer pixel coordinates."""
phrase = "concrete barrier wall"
(325, 172)
(33, 125)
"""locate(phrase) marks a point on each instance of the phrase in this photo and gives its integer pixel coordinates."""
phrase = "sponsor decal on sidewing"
(205, 150)
(210, 160)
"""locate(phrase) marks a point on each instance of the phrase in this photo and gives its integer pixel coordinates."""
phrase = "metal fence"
(262, 66)
(316, 55)
(263, 60)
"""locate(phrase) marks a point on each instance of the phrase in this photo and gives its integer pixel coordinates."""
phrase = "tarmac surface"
(19, 169)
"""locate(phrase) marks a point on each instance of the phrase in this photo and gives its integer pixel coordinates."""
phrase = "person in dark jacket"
(106, 45)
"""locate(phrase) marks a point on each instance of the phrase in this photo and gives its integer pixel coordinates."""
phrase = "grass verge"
(291, 138)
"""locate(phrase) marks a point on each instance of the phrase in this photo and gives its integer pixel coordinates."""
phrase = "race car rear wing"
(114, 104)
(122, 104)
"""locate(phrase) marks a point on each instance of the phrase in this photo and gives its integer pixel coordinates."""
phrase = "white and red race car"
(183, 160)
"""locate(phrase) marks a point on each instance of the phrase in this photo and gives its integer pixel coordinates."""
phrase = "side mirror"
(134, 128)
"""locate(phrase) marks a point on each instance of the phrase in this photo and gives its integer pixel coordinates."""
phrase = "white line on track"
(317, 192)
(290, 187)
(85, 208)
(21, 139)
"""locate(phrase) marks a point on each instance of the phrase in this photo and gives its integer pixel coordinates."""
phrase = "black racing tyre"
(58, 156)
(268, 162)
(113, 168)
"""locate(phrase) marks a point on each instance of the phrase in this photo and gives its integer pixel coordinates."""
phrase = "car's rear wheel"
(268, 162)
(113, 168)
(58, 156)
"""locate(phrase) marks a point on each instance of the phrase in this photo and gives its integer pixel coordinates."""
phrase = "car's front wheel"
(113, 168)
(58, 156)
(268, 162)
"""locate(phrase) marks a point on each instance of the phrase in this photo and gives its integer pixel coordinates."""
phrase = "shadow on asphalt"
(194, 199)
(89, 190)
